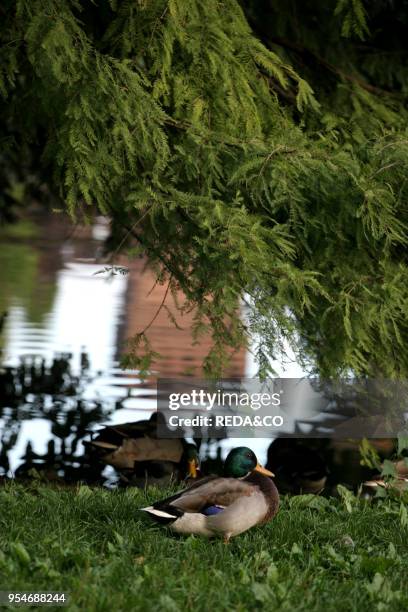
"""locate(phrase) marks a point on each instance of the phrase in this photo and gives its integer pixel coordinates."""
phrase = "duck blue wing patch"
(210, 510)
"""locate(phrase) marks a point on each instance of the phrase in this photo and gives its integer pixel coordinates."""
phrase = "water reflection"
(59, 345)
(59, 336)
(46, 415)
(85, 313)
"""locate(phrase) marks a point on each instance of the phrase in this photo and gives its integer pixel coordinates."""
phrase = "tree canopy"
(253, 150)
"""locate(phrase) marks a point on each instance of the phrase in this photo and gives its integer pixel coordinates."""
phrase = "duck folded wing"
(144, 449)
(213, 491)
(150, 449)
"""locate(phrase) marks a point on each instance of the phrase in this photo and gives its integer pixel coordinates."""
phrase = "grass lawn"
(316, 554)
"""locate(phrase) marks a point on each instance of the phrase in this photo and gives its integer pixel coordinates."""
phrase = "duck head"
(242, 461)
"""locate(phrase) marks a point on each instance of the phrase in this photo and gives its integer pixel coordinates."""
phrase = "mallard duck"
(222, 506)
(298, 468)
(142, 458)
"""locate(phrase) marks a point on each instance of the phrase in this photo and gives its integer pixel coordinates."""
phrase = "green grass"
(316, 554)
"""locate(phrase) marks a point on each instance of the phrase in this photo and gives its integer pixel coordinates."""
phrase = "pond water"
(60, 344)
(59, 347)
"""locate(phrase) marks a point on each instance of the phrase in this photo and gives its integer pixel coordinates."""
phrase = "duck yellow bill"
(263, 470)
(192, 468)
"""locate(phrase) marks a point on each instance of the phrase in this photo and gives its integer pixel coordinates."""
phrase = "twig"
(159, 309)
(129, 232)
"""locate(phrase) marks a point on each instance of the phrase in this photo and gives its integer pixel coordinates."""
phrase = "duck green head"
(241, 461)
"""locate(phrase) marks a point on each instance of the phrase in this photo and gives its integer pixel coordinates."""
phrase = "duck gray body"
(220, 506)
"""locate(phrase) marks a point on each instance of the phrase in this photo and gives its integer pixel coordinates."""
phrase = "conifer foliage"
(254, 150)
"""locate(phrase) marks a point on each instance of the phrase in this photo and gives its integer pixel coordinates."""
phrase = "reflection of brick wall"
(180, 357)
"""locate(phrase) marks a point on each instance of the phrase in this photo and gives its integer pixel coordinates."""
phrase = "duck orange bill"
(192, 468)
(263, 470)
